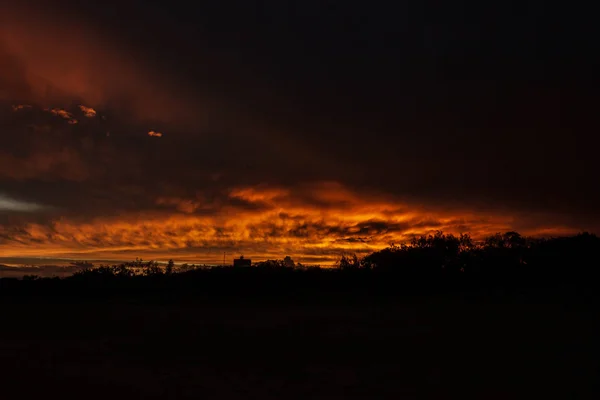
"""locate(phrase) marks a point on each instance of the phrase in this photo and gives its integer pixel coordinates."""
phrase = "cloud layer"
(188, 140)
(315, 223)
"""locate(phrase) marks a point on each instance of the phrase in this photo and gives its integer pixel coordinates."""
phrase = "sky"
(306, 128)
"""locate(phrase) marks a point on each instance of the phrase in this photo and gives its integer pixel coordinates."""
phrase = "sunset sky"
(303, 128)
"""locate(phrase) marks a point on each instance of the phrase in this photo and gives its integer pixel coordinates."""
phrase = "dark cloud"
(318, 122)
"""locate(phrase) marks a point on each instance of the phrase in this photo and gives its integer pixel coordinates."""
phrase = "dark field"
(450, 346)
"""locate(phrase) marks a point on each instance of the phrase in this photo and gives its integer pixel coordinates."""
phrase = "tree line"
(427, 262)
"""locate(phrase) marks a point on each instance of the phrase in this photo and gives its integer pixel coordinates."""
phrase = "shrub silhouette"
(427, 263)
(350, 263)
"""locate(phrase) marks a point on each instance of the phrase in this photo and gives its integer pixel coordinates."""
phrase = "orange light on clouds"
(64, 114)
(89, 112)
(58, 58)
(60, 113)
(276, 222)
(20, 107)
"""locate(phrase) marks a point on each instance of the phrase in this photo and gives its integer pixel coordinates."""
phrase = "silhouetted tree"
(288, 262)
(169, 268)
(151, 268)
(437, 260)
(349, 262)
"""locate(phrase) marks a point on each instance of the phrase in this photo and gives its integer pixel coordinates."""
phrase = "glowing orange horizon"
(316, 223)
(278, 224)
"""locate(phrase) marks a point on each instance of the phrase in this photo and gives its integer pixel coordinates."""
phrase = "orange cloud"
(20, 107)
(59, 57)
(64, 114)
(255, 194)
(60, 113)
(274, 222)
(89, 112)
(155, 134)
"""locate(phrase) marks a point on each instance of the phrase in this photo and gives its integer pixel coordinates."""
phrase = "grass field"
(436, 347)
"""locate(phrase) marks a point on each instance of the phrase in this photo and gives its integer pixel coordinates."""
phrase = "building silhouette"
(242, 262)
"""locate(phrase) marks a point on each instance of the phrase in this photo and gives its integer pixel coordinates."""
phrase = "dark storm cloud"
(421, 107)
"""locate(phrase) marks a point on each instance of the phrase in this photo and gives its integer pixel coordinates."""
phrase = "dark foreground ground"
(449, 346)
